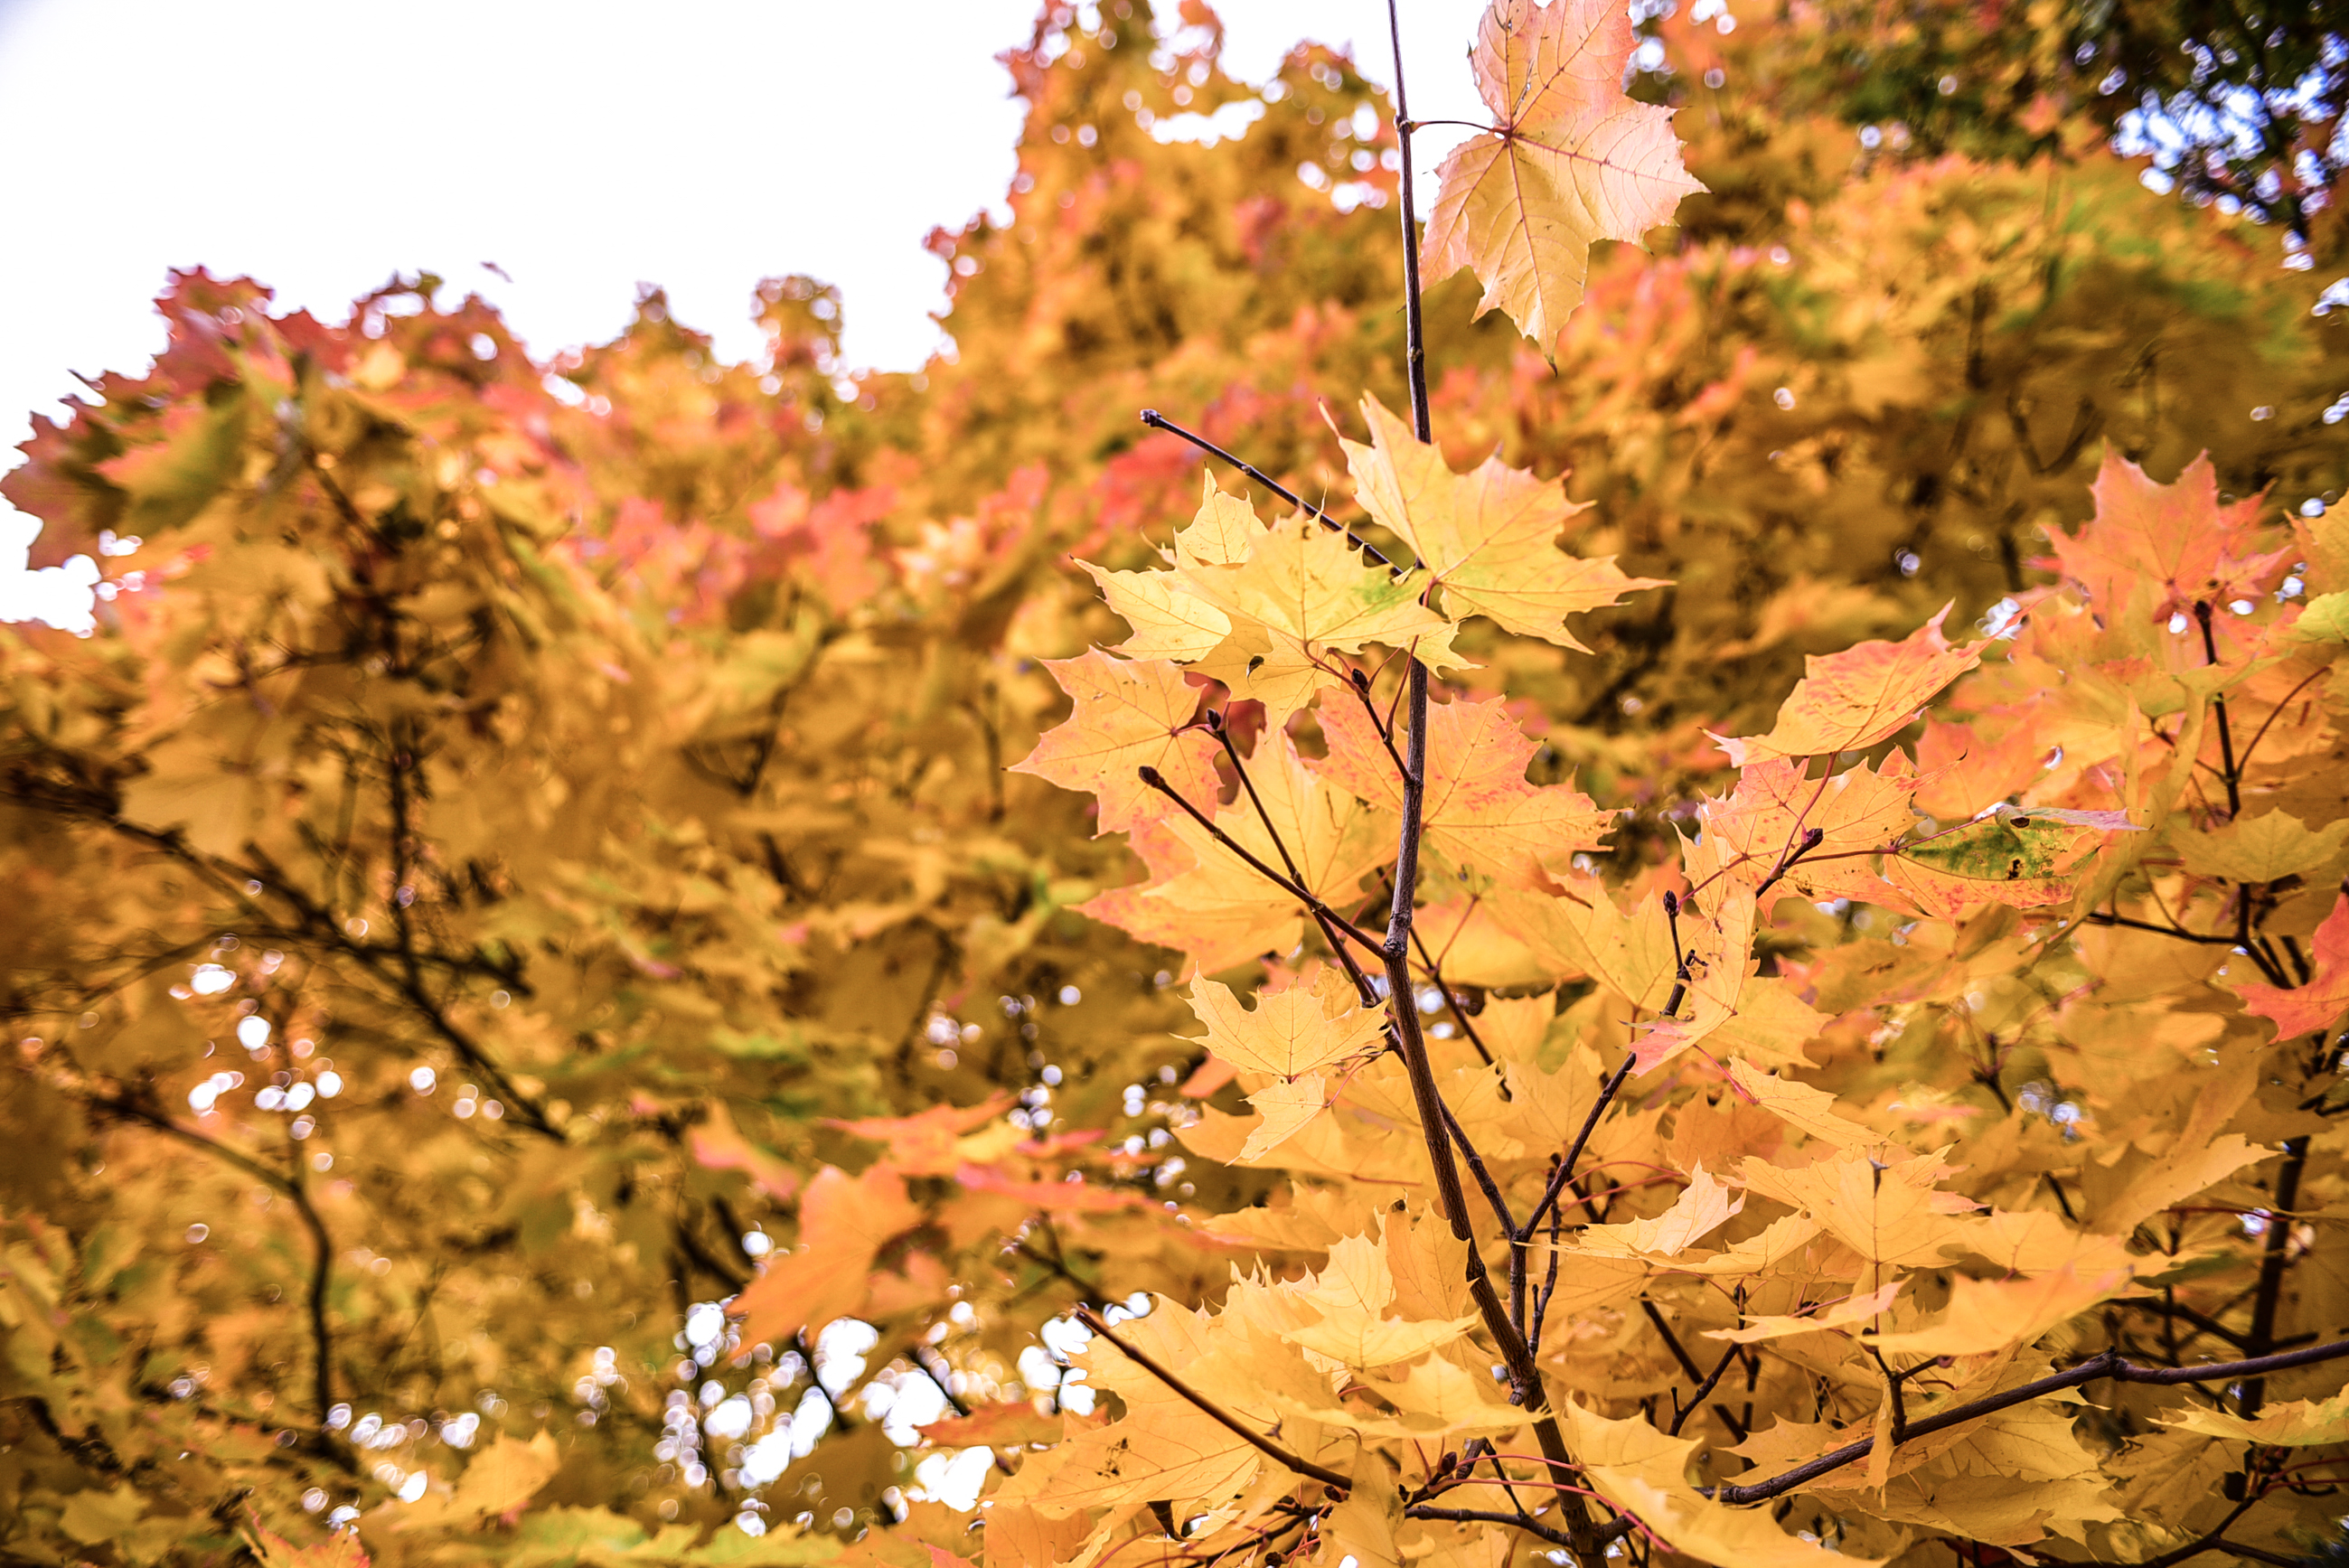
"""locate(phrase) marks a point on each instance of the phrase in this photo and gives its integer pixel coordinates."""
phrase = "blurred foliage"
(513, 816)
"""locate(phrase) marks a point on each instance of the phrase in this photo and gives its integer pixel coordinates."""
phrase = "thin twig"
(290, 1187)
(1255, 1439)
(1159, 421)
(1156, 780)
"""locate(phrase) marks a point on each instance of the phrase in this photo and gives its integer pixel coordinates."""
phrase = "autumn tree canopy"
(1650, 870)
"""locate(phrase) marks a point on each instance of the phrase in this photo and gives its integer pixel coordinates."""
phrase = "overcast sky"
(321, 145)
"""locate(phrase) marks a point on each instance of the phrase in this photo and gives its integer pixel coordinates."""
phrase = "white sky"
(319, 146)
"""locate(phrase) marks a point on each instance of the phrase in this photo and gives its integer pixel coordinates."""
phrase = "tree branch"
(2275, 1256)
(2107, 1363)
(1524, 1376)
(1255, 1439)
(1524, 1521)
(322, 1259)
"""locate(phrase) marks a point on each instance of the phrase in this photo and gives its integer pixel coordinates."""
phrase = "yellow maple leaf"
(1282, 1110)
(1307, 594)
(1313, 1023)
(2300, 1423)
(1169, 618)
(1477, 808)
(1851, 700)
(1571, 158)
(1225, 908)
(1852, 1309)
(1488, 537)
(2261, 849)
(1128, 715)
(1808, 1110)
(1984, 1316)
(1582, 931)
(1886, 1210)
(1162, 1452)
(1703, 1207)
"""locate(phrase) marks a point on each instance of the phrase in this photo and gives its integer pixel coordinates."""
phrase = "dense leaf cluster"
(544, 1020)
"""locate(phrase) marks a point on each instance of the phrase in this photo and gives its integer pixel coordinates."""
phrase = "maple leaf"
(1888, 1212)
(1762, 825)
(2175, 543)
(1487, 539)
(1129, 714)
(1570, 159)
(2025, 857)
(932, 1142)
(1642, 1472)
(1960, 771)
(1312, 1023)
(1223, 909)
(845, 1222)
(1809, 1111)
(1984, 1316)
(2300, 1423)
(1851, 1311)
(1703, 1207)
(2319, 1003)
(1303, 592)
(2261, 849)
(1477, 808)
(1851, 701)
(1283, 1109)
(1170, 619)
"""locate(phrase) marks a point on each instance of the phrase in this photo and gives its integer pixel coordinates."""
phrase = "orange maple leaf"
(845, 1222)
(2177, 537)
(1761, 825)
(2319, 1003)
(1478, 808)
(1963, 771)
(1866, 693)
(1571, 158)
(1129, 714)
(1488, 537)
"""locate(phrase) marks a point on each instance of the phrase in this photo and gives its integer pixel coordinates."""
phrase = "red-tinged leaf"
(1964, 770)
(2319, 1004)
(845, 1222)
(994, 1425)
(1129, 714)
(1852, 700)
(718, 1145)
(1762, 823)
(171, 480)
(1001, 1425)
(1572, 160)
(924, 1144)
(1064, 1197)
(2175, 543)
